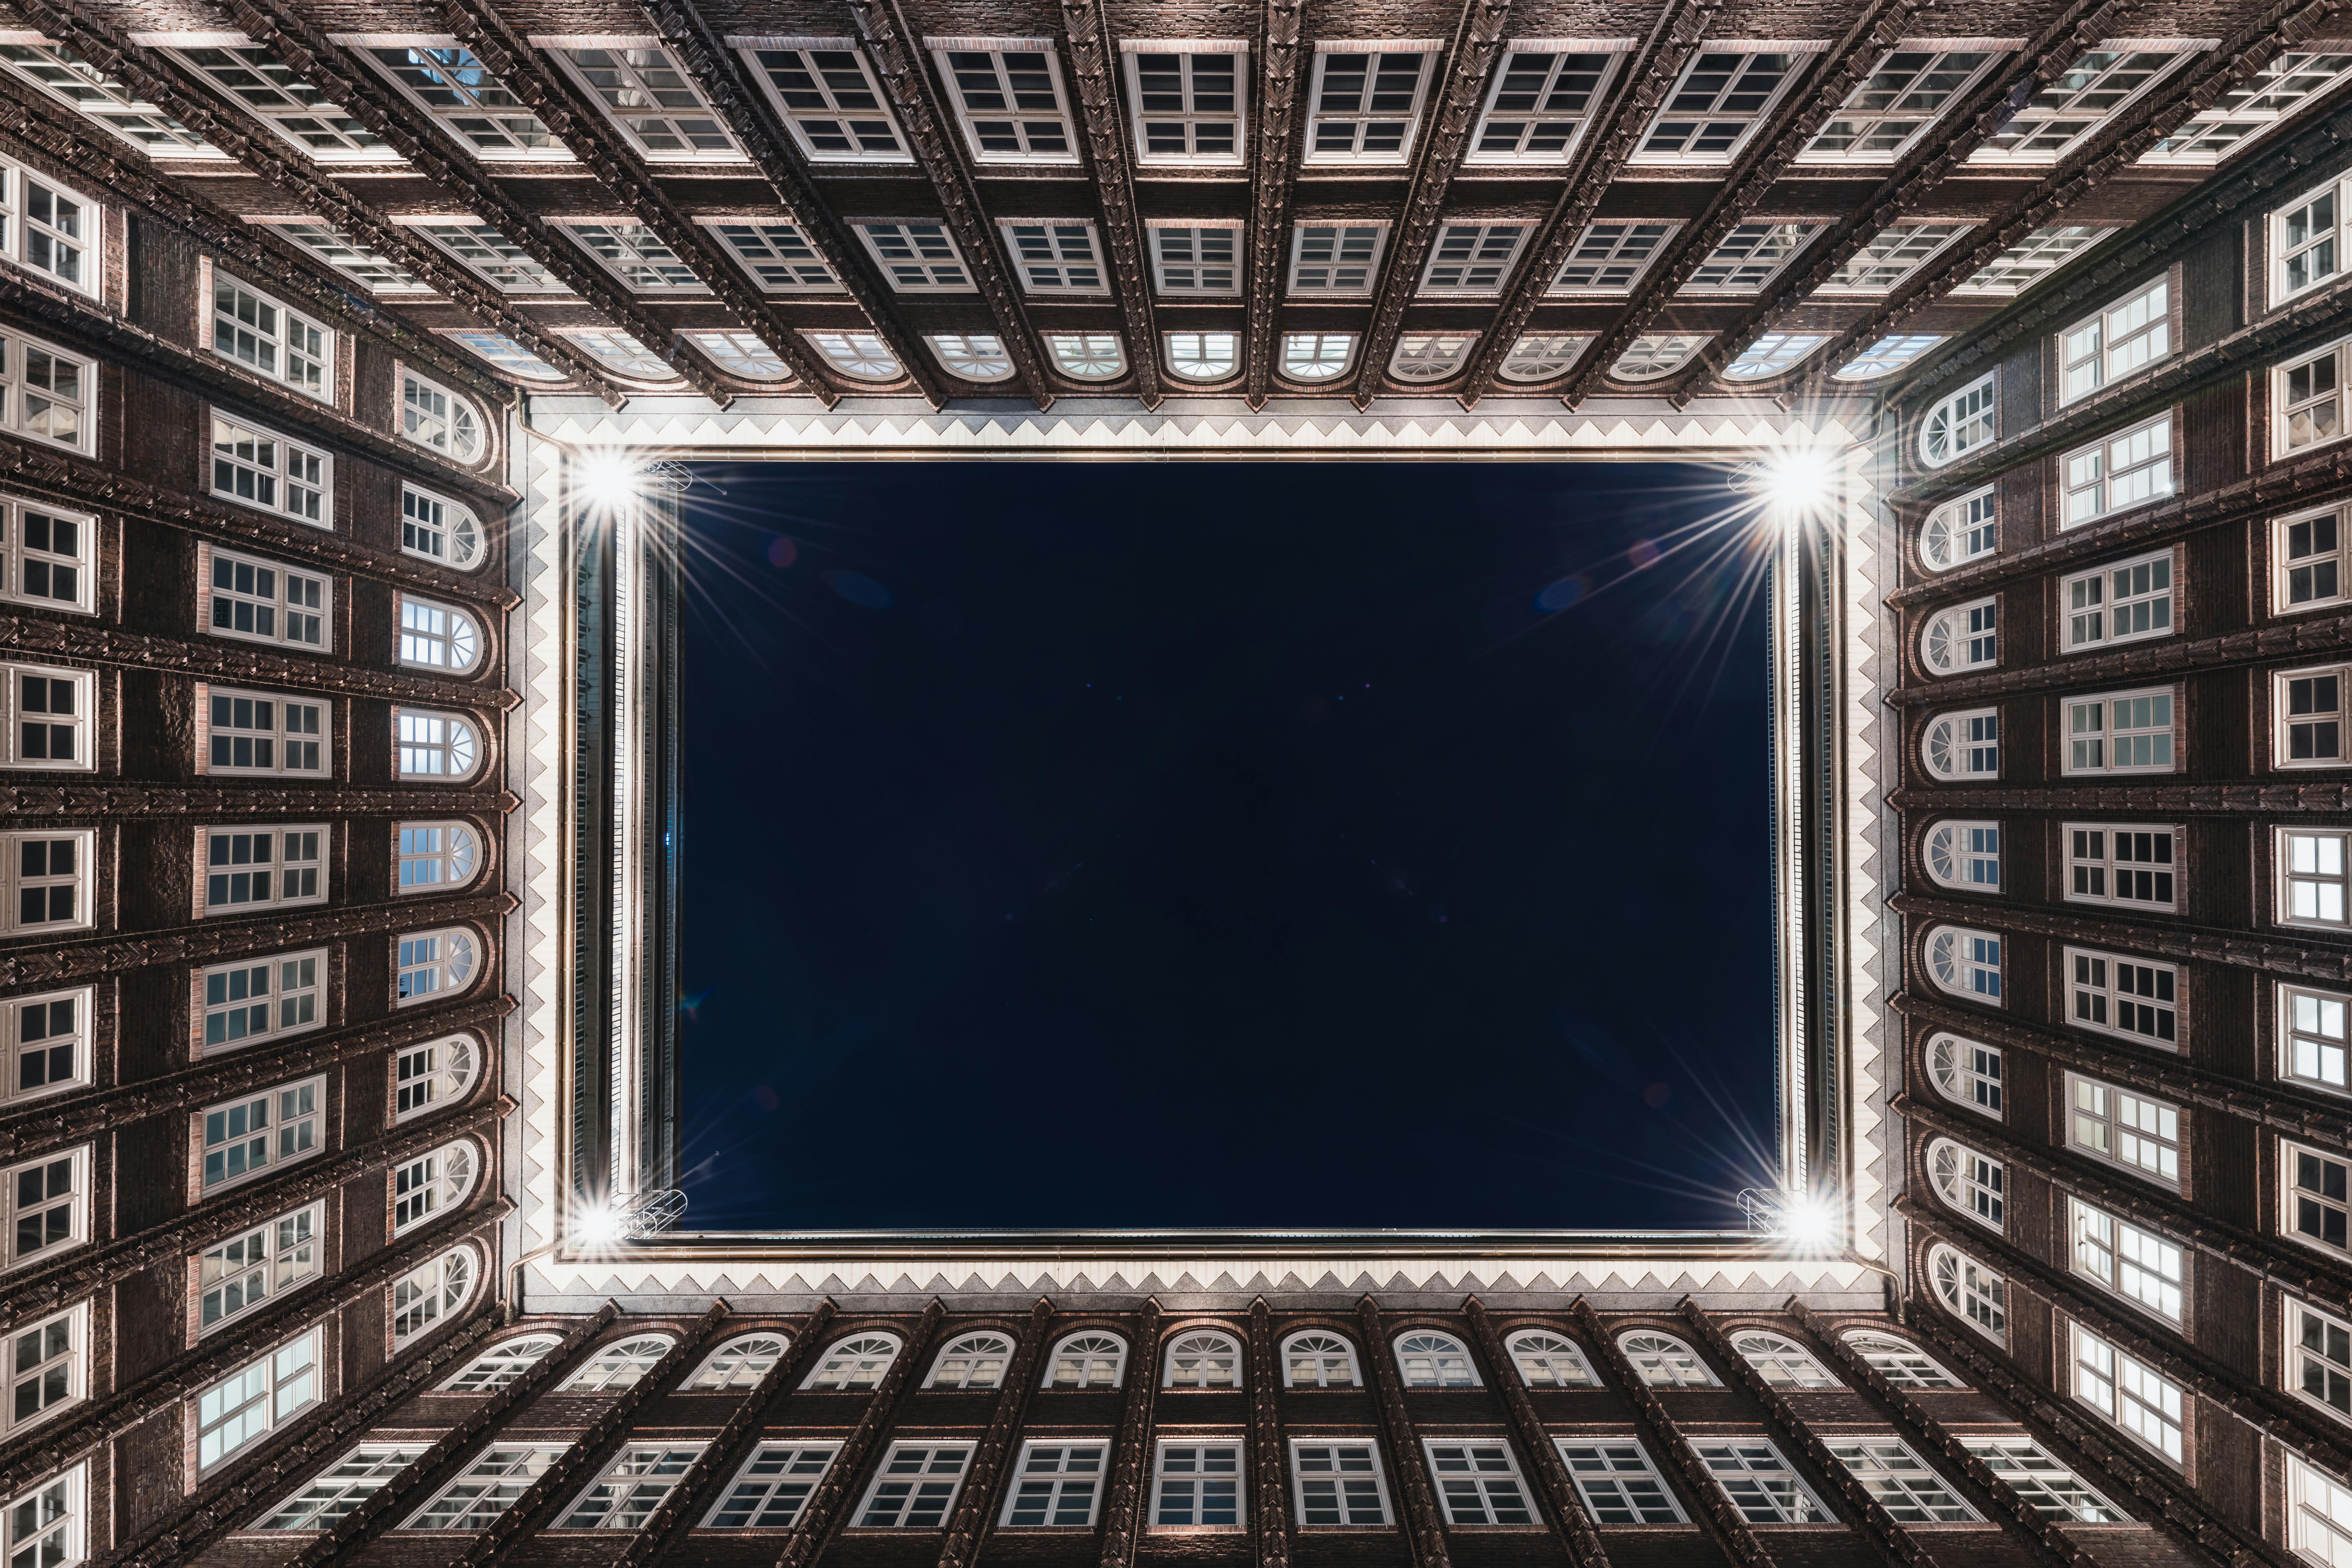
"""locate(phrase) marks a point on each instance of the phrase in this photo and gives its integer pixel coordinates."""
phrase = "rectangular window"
(914, 1486)
(1760, 1484)
(1893, 255)
(1196, 1485)
(46, 1204)
(1056, 1484)
(262, 85)
(258, 1397)
(48, 1367)
(2069, 110)
(772, 1487)
(2314, 1206)
(242, 1138)
(241, 1273)
(50, 715)
(2307, 705)
(260, 601)
(48, 1525)
(2122, 864)
(2311, 1036)
(2308, 245)
(2137, 1264)
(1541, 99)
(1338, 1484)
(650, 97)
(55, 231)
(1722, 96)
(2125, 1129)
(48, 395)
(260, 733)
(1190, 258)
(450, 84)
(2289, 84)
(777, 256)
(1910, 88)
(1008, 98)
(2124, 603)
(65, 78)
(2128, 1394)
(246, 869)
(2308, 866)
(2319, 1514)
(1054, 255)
(343, 1487)
(249, 327)
(486, 252)
(1364, 102)
(47, 558)
(252, 1000)
(918, 257)
(1618, 1482)
(1609, 258)
(2126, 733)
(625, 1495)
(2135, 998)
(372, 271)
(2119, 472)
(2307, 560)
(491, 1484)
(46, 881)
(2319, 1358)
(1189, 101)
(828, 95)
(48, 1041)
(1902, 1483)
(259, 468)
(1472, 261)
(1749, 256)
(1478, 1483)
(640, 259)
(2119, 342)
(2048, 1488)
(1336, 261)
(2307, 401)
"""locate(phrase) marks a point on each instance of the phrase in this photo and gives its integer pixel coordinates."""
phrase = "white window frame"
(1421, 359)
(1539, 357)
(1202, 358)
(474, 110)
(435, 855)
(1664, 1361)
(1303, 350)
(1208, 1353)
(2144, 1000)
(2319, 711)
(30, 726)
(1705, 61)
(2315, 1500)
(1335, 271)
(297, 857)
(437, 745)
(1773, 354)
(1961, 637)
(1056, 256)
(1969, 1183)
(973, 356)
(335, 1494)
(625, 1494)
(1183, 1479)
(1748, 256)
(493, 1481)
(1190, 118)
(2315, 1035)
(619, 354)
(258, 1265)
(2242, 115)
(45, 1201)
(438, 636)
(504, 355)
(1959, 1069)
(46, 1360)
(298, 730)
(1653, 356)
(1361, 1456)
(35, 1028)
(1086, 356)
(1965, 856)
(914, 1509)
(284, 993)
(919, 255)
(1055, 1478)
(1940, 737)
(2126, 1129)
(296, 111)
(1898, 1361)
(49, 1522)
(1619, 1484)
(21, 883)
(1599, 259)
(24, 561)
(430, 965)
(775, 254)
(773, 1488)
(376, 273)
(739, 1363)
(64, 77)
(1970, 1293)
(746, 356)
(1760, 1482)
(1562, 57)
(502, 1364)
(2026, 264)
(2311, 229)
(637, 259)
(846, 115)
(1195, 273)
(292, 1128)
(2086, 74)
(618, 1364)
(1478, 1482)
(432, 1183)
(2148, 1269)
(2097, 725)
(2118, 473)
(2318, 401)
(1782, 1362)
(1029, 148)
(2329, 1204)
(250, 465)
(2316, 1360)
(2048, 1488)
(975, 1360)
(856, 356)
(1432, 1358)
(1373, 51)
(1886, 356)
(2128, 1394)
(1958, 79)
(2096, 604)
(2322, 563)
(268, 338)
(2117, 342)
(440, 420)
(2309, 877)
(259, 1398)
(1317, 1360)
(2128, 865)
(1970, 964)
(1083, 1355)
(1958, 423)
(858, 1361)
(699, 134)
(1473, 258)
(1903, 1484)
(47, 394)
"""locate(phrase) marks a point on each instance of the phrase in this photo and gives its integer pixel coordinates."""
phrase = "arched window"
(433, 744)
(1542, 358)
(1886, 356)
(740, 1362)
(1957, 424)
(437, 636)
(1203, 356)
(860, 357)
(1971, 1290)
(975, 356)
(619, 352)
(1967, 1072)
(1774, 354)
(857, 1361)
(1548, 1361)
(437, 856)
(1421, 358)
(743, 355)
(1317, 356)
(1971, 1183)
(502, 1364)
(439, 529)
(1966, 854)
(1656, 355)
(1958, 530)
(1963, 745)
(1900, 1362)
(972, 1361)
(432, 1184)
(1961, 637)
(439, 1072)
(435, 963)
(1091, 1358)
(1782, 1362)
(618, 1364)
(431, 1295)
(1965, 962)
(1317, 1358)
(1086, 356)
(1203, 1360)
(1431, 1360)
(433, 416)
(1665, 1362)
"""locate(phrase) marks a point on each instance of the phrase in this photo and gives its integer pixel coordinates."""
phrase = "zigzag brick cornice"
(1476, 38)
(1572, 1521)
(1127, 1499)
(183, 800)
(1421, 1528)
(57, 963)
(2169, 799)
(101, 644)
(822, 1516)
(2308, 635)
(1086, 30)
(978, 1502)
(2209, 944)
(1281, 61)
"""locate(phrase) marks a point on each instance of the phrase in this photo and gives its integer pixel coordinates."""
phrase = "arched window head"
(739, 1363)
(1429, 1360)
(1774, 354)
(437, 856)
(1970, 1291)
(1967, 1072)
(1965, 855)
(502, 1364)
(1086, 356)
(619, 1365)
(431, 1295)
(1317, 356)
(1203, 356)
(1089, 1359)
(1656, 356)
(1544, 357)
(1203, 1360)
(1548, 1361)
(1319, 1359)
(859, 356)
(1662, 1361)
(1961, 637)
(1900, 1362)
(1971, 1183)
(857, 1361)
(1421, 358)
(429, 743)
(434, 636)
(1957, 424)
(1782, 1362)
(439, 529)
(437, 1073)
(432, 1184)
(435, 963)
(1959, 531)
(434, 417)
(1966, 962)
(743, 355)
(1963, 745)
(972, 1361)
(974, 356)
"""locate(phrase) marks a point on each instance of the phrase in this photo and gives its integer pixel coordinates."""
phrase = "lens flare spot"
(767, 1099)
(1559, 596)
(1656, 1095)
(783, 552)
(1644, 553)
(859, 590)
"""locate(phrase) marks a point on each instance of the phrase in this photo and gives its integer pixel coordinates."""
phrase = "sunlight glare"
(608, 479)
(1797, 480)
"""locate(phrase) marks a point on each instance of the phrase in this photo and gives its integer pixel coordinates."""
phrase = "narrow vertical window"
(1974, 1183)
(1966, 962)
(432, 1294)
(46, 1039)
(2308, 245)
(1970, 1291)
(2307, 560)
(1967, 1072)
(439, 419)
(47, 394)
(2308, 866)
(45, 1206)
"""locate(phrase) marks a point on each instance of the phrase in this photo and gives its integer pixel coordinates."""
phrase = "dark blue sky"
(1165, 845)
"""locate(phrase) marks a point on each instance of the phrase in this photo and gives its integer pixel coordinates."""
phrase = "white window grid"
(1543, 356)
(47, 558)
(1966, 962)
(1973, 1183)
(46, 880)
(2307, 242)
(461, 95)
(47, 1040)
(503, 354)
(1422, 358)
(974, 356)
(1086, 356)
(1971, 1292)
(1203, 356)
(1662, 1361)
(2128, 1394)
(2129, 1261)
(432, 963)
(2244, 113)
(970, 1361)
(739, 1365)
(1055, 1485)
(2048, 1488)
(2311, 1036)
(2307, 398)
(439, 1072)
(1774, 354)
(1196, 1484)
(2031, 260)
(432, 1183)
(1760, 1484)
(1191, 101)
(1901, 1482)
(48, 1368)
(1906, 94)
(856, 1363)
(773, 1488)
(1478, 1483)
(235, 1276)
(2308, 866)
(1899, 1362)
(1749, 256)
(1961, 637)
(2064, 114)
(1089, 1359)
(2123, 603)
(500, 1365)
(1472, 261)
(264, 733)
(1782, 1362)
(775, 255)
(650, 98)
(1056, 256)
(2307, 560)
(1336, 261)
(1542, 98)
(2314, 1207)
(2126, 864)
(1963, 745)
(1721, 98)
(249, 1000)
(434, 636)
(918, 257)
(431, 743)
(372, 271)
(640, 259)
(264, 87)
(1610, 257)
(618, 1365)
(437, 856)
(1313, 357)
(2308, 726)
(45, 1205)
(627, 1490)
(435, 527)
(860, 357)
(48, 1523)
(1196, 260)
(2319, 1357)
(828, 96)
(1427, 1360)
(1618, 1483)
(1887, 355)
(1008, 98)
(245, 869)
(1892, 255)
(1317, 1358)
(336, 1492)
(1957, 424)
(2120, 732)
(248, 328)
(1655, 356)
(914, 1486)
(1965, 855)
(2116, 342)
(486, 252)
(65, 78)
(1338, 1484)
(55, 231)
(49, 714)
(1967, 1073)
(744, 355)
(269, 472)
(439, 419)
(47, 394)
(2319, 1514)
(1365, 100)
(259, 1398)
(237, 1139)
(618, 352)
(2124, 1128)
(1547, 1360)
(1202, 1360)
(2112, 993)
(490, 1484)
